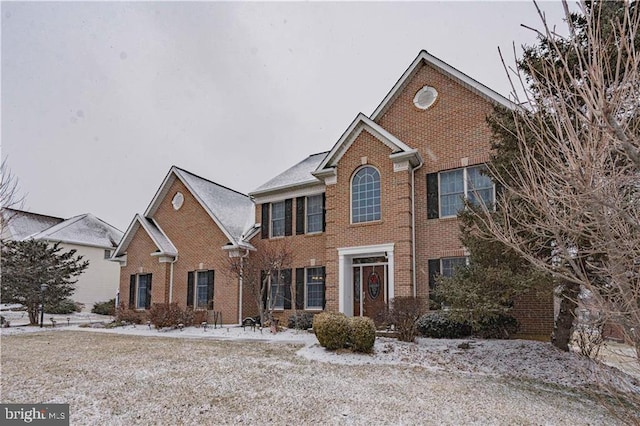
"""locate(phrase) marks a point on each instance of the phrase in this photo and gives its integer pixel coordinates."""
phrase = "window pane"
(141, 299)
(450, 264)
(201, 290)
(277, 219)
(365, 195)
(451, 192)
(315, 285)
(277, 292)
(479, 186)
(314, 213)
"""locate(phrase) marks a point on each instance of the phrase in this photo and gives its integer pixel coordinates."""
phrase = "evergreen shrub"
(301, 321)
(331, 329)
(362, 334)
(62, 307)
(439, 325)
(104, 308)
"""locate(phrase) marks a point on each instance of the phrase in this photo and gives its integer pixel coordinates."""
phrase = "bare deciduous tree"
(576, 189)
(9, 196)
(257, 270)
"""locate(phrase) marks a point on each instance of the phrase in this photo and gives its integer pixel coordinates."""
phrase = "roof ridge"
(210, 181)
(70, 221)
(32, 213)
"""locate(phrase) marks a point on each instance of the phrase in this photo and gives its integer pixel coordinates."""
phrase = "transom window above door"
(365, 195)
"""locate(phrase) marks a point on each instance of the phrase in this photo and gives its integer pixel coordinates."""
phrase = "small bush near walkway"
(104, 308)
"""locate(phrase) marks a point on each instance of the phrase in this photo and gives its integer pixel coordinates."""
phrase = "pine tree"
(33, 270)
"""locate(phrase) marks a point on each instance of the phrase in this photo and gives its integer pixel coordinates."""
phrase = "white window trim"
(306, 292)
(465, 190)
(306, 215)
(284, 231)
(355, 172)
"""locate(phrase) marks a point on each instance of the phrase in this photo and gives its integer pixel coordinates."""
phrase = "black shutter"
(499, 191)
(432, 196)
(190, 288)
(299, 288)
(265, 220)
(300, 208)
(324, 213)
(148, 304)
(288, 213)
(286, 275)
(210, 278)
(324, 289)
(434, 271)
(265, 287)
(132, 292)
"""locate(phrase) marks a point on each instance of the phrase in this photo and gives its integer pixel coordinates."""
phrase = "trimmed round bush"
(438, 325)
(362, 334)
(332, 329)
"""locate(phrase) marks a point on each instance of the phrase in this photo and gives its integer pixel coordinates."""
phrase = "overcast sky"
(100, 99)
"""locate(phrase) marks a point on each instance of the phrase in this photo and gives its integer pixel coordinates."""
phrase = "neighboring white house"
(90, 236)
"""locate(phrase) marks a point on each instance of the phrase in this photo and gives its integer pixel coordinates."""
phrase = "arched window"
(365, 195)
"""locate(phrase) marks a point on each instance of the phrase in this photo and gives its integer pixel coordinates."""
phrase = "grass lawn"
(119, 379)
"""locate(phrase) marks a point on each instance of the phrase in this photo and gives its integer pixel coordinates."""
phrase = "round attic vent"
(177, 201)
(425, 97)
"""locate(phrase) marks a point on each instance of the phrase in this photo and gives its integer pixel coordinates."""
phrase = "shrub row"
(162, 315)
(336, 331)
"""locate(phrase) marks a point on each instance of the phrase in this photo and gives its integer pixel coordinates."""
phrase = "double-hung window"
(200, 289)
(455, 186)
(140, 291)
(365, 195)
(448, 265)
(277, 291)
(314, 288)
(277, 219)
(314, 214)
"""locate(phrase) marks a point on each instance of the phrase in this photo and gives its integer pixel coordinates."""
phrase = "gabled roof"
(298, 175)
(21, 224)
(462, 78)
(232, 211)
(85, 229)
(161, 241)
(360, 123)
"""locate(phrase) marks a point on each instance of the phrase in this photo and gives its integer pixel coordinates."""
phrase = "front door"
(369, 290)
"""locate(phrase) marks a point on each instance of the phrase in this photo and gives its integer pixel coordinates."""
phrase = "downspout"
(241, 282)
(171, 279)
(413, 226)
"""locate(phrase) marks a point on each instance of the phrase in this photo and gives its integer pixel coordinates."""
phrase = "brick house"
(375, 217)
(174, 251)
(372, 219)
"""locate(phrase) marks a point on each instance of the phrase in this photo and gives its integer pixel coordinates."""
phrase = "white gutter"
(171, 279)
(241, 282)
(413, 226)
